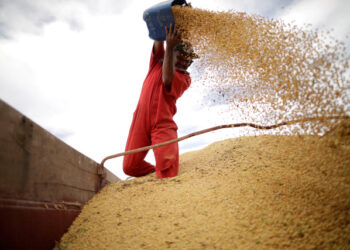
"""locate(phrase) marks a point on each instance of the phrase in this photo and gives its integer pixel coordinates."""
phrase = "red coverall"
(153, 122)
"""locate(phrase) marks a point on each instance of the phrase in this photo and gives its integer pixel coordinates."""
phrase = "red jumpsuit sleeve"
(156, 56)
(181, 82)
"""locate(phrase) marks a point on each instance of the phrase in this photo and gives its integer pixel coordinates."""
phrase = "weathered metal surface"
(34, 225)
(36, 168)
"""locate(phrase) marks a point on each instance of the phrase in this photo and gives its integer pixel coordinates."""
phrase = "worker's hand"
(172, 37)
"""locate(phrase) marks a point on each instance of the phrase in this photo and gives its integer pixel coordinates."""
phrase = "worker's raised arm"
(172, 39)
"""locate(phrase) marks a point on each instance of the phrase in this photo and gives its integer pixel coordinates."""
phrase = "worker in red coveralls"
(153, 123)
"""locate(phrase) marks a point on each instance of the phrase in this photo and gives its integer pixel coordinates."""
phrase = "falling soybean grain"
(291, 72)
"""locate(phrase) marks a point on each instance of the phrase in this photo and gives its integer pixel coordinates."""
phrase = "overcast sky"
(76, 67)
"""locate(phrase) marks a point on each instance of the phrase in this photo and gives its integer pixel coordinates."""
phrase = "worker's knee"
(128, 169)
(137, 168)
(130, 173)
(167, 157)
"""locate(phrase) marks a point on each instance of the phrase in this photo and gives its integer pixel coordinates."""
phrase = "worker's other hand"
(172, 37)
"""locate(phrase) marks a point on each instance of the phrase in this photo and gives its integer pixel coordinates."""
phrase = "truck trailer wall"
(43, 183)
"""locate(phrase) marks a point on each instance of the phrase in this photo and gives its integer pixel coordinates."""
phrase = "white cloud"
(324, 14)
(19, 16)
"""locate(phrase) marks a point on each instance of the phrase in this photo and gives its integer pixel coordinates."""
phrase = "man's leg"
(167, 157)
(134, 164)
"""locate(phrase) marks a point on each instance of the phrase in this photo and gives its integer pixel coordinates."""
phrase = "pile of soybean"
(265, 70)
(264, 192)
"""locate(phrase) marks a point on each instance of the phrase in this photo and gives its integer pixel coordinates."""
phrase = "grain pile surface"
(266, 70)
(264, 192)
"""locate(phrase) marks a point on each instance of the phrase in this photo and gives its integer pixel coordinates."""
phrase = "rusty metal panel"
(34, 225)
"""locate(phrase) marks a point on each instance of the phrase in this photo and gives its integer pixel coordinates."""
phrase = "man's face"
(182, 59)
